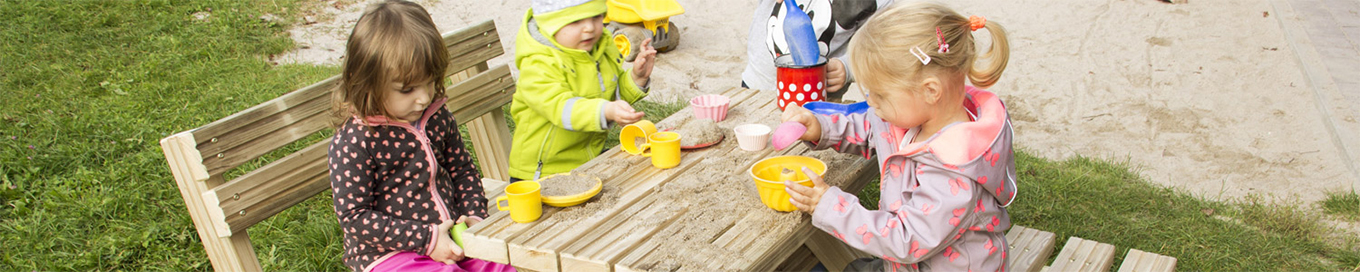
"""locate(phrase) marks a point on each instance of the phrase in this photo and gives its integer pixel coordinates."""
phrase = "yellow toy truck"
(634, 21)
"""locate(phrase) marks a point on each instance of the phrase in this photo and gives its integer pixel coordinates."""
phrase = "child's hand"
(835, 75)
(470, 220)
(796, 113)
(620, 112)
(642, 64)
(803, 197)
(445, 250)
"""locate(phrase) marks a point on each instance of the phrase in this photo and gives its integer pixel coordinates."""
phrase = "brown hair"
(881, 51)
(393, 41)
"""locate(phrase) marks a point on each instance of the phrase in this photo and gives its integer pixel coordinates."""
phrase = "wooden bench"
(1029, 250)
(223, 210)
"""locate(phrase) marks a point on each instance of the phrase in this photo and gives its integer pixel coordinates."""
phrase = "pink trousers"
(411, 261)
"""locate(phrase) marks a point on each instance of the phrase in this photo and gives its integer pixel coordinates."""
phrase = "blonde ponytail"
(996, 59)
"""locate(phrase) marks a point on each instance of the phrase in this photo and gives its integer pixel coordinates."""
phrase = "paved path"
(1326, 36)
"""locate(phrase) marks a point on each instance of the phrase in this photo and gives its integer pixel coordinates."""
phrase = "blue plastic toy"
(799, 34)
(820, 107)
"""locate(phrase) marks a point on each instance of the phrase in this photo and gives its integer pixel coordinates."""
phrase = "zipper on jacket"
(541, 148)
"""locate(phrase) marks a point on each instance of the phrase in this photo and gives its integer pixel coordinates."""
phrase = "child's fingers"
(473, 220)
(817, 182)
(794, 112)
(797, 192)
(457, 254)
(446, 225)
(624, 106)
(835, 75)
(798, 196)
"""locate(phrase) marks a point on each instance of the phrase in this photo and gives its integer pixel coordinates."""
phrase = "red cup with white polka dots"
(799, 84)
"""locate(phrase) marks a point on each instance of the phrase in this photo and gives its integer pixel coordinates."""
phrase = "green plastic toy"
(457, 233)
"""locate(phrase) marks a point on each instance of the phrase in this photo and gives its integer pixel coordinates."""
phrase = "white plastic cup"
(752, 137)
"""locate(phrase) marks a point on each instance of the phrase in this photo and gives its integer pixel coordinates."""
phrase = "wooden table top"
(703, 215)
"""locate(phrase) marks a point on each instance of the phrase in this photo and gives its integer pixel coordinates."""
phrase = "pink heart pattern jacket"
(942, 202)
(394, 182)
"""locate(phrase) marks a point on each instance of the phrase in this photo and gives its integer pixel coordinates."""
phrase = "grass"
(92, 86)
(1344, 205)
(1106, 202)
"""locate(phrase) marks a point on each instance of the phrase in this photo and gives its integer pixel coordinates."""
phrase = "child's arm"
(354, 191)
(846, 133)
(635, 83)
(546, 91)
(642, 64)
(931, 219)
(467, 182)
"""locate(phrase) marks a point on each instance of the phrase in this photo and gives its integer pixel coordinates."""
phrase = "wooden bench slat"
(477, 56)
(1029, 248)
(481, 94)
(1084, 255)
(247, 135)
(472, 45)
(262, 193)
(1142, 261)
(224, 161)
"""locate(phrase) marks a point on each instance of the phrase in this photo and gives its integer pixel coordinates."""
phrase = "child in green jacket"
(571, 86)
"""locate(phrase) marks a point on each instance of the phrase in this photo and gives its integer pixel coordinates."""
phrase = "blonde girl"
(943, 147)
(400, 175)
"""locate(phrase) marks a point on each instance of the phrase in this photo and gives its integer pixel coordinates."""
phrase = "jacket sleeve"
(354, 191)
(926, 224)
(467, 182)
(628, 89)
(544, 87)
(848, 134)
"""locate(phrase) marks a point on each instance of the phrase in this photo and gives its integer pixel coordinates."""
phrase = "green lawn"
(91, 86)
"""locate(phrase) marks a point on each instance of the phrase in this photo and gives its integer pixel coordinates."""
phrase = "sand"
(566, 185)
(700, 132)
(1207, 97)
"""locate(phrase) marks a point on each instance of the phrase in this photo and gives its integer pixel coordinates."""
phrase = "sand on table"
(566, 184)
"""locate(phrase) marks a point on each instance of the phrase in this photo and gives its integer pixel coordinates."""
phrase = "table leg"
(833, 253)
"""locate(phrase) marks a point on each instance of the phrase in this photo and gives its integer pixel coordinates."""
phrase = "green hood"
(551, 22)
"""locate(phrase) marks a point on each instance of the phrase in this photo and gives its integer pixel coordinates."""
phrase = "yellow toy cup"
(664, 148)
(630, 135)
(526, 204)
(770, 173)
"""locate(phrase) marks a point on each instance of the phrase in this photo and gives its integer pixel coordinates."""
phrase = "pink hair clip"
(944, 47)
(920, 55)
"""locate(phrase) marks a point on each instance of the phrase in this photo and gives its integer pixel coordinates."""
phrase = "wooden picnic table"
(703, 215)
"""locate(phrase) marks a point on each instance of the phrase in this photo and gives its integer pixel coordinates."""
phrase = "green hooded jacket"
(558, 106)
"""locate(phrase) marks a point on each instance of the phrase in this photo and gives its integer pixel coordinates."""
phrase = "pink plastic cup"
(710, 106)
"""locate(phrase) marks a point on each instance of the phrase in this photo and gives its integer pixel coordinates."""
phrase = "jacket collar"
(382, 120)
